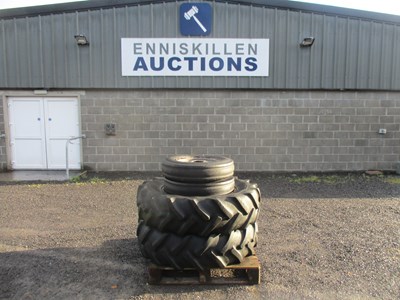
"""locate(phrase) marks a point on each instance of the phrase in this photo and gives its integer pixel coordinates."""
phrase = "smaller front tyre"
(198, 168)
(199, 189)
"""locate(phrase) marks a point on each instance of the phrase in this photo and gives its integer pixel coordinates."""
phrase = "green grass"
(35, 186)
(392, 179)
(83, 179)
(327, 179)
(304, 179)
(96, 180)
(334, 179)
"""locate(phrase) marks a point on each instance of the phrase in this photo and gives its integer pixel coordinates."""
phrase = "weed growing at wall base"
(392, 179)
(326, 179)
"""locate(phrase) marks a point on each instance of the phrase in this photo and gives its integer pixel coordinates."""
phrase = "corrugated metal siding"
(40, 52)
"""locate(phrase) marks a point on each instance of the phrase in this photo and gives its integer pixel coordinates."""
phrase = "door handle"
(38, 119)
(49, 119)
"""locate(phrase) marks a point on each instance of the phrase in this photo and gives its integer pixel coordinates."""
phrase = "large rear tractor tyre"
(198, 215)
(190, 251)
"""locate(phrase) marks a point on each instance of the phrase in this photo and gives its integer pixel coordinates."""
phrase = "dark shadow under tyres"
(190, 251)
(197, 215)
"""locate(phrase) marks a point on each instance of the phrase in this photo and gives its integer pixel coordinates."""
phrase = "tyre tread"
(198, 215)
(214, 168)
(167, 249)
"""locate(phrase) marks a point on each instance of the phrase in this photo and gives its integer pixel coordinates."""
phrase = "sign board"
(195, 19)
(194, 57)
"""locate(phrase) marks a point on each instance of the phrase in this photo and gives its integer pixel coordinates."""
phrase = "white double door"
(39, 129)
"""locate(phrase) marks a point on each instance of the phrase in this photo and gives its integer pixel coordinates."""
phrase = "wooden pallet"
(247, 272)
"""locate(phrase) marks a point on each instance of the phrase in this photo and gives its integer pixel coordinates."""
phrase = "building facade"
(238, 79)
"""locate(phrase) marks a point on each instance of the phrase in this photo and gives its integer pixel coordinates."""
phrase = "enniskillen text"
(183, 48)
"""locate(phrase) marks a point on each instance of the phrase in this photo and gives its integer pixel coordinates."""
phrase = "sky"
(383, 6)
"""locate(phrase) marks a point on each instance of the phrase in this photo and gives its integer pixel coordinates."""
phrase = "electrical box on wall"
(110, 129)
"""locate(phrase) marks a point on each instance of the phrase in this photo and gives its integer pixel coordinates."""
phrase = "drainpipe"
(83, 136)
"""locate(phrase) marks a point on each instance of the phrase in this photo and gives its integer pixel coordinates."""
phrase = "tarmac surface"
(320, 237)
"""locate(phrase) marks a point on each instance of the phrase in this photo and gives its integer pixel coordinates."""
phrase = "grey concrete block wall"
(3, 157)
(261, 130)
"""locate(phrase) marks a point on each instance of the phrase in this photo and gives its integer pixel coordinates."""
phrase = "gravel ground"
(320, 237)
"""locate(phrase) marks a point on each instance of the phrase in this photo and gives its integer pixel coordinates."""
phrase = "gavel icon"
(191, 14)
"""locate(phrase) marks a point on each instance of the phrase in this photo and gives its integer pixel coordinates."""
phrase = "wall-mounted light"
(81, 40)
(307, 42)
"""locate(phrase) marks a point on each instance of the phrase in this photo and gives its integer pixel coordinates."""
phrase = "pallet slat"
(247, 272)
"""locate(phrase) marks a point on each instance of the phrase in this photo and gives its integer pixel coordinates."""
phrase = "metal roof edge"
(323, 9)
(280, 4)
(71, 7)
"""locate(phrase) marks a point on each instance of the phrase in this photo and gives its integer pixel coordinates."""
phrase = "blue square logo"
(195, 18)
